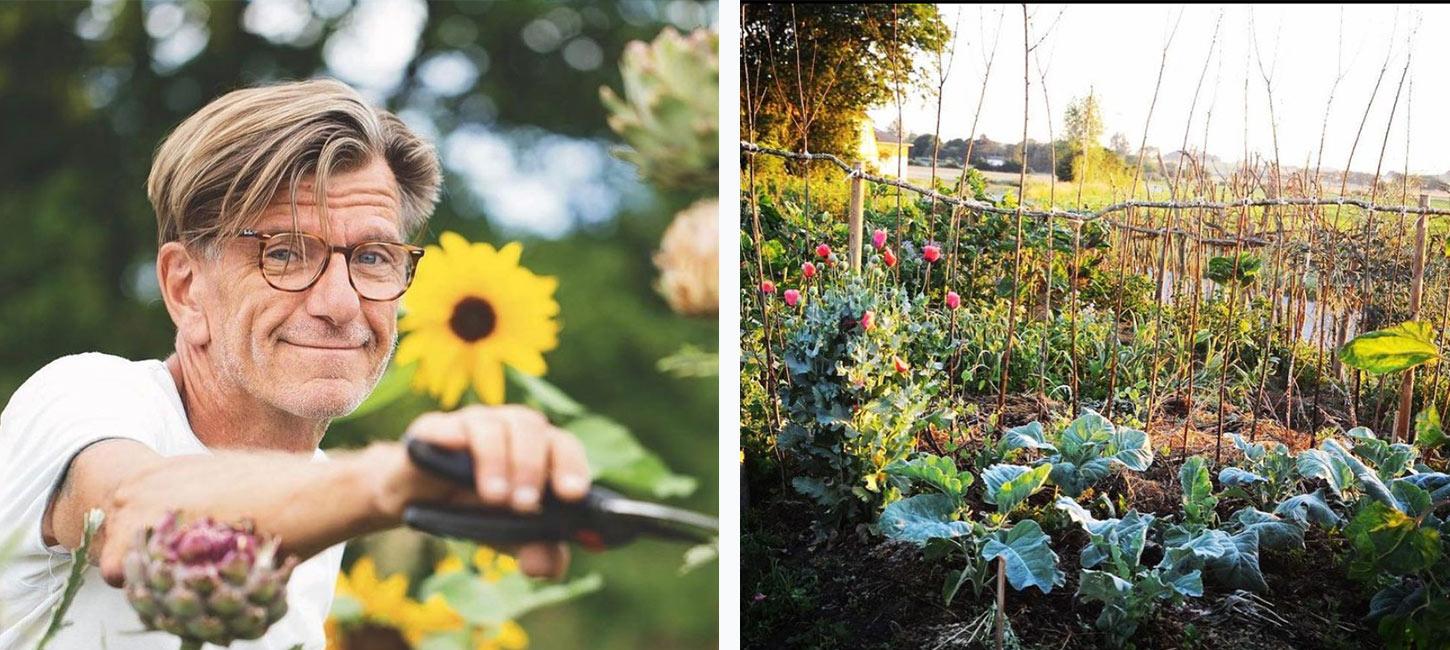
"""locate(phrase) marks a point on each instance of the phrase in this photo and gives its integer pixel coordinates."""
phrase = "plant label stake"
(602, 520)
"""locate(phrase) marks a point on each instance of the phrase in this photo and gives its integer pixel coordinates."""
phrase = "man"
(282, 212)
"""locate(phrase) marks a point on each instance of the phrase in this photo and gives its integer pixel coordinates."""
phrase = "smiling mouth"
(324, 346)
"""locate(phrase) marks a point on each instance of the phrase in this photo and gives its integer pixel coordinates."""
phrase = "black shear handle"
(556, 521)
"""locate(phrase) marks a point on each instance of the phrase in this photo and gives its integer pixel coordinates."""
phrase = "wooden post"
(858, 206)
(1417, 287)
(999, 621)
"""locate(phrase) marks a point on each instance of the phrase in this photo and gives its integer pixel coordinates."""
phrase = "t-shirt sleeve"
(63, 408)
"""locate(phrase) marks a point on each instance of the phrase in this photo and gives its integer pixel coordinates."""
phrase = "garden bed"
(862, 590)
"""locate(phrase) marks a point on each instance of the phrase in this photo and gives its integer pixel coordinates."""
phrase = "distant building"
(880, 151)
(993, 162)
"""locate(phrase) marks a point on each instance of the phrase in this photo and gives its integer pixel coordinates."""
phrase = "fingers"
(489, 442)
(543, 560)
(112, 567)
(517, 455)
(439, 429)
(528, 454)
(569, 467)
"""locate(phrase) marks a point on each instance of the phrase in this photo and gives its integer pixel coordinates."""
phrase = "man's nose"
(333, 297)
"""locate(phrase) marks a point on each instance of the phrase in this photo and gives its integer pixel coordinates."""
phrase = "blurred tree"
(88, 90)
(814, 69)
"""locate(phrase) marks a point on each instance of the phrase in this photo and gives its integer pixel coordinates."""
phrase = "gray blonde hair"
(215, 174)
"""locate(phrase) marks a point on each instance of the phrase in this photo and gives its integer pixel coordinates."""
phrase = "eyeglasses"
(378, 270)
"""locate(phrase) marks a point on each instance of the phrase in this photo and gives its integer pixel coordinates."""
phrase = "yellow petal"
(488, 378)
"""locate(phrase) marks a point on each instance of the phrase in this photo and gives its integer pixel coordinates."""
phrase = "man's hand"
(517, 455)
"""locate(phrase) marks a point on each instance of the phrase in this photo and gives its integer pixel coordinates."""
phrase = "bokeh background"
(510, 93)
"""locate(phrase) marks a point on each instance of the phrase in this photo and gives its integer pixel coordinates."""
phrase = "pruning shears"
(602, 520)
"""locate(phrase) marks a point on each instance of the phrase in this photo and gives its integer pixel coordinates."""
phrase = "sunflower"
(472, 309)
(380, 611)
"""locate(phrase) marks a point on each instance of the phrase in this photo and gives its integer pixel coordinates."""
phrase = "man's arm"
(312, 505)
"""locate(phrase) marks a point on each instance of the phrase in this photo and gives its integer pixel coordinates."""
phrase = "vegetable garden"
(1200, 415)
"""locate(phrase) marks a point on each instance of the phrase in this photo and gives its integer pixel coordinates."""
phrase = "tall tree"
(819, 67)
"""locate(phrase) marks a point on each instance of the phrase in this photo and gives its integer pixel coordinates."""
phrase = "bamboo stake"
(1417, 286)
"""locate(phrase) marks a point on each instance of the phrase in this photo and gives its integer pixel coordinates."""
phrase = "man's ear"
(181, 287)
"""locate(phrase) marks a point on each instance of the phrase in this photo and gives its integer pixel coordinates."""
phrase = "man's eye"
(282, 254)
(375, 256)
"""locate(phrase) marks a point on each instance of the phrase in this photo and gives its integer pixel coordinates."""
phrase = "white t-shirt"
(67, 405)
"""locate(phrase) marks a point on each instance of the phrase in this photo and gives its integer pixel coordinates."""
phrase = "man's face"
(316, 353)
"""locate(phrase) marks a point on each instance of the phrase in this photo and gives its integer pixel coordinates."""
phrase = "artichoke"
(689, 260)
(670, 113)
(207, 581)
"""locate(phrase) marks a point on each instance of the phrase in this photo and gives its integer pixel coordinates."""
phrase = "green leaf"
(1198, 498)
(548, 398)
(1307, 508)
(923, 517)
(1120, 540)
(1389, 460)
(1273, 531)
(1029, 558)
(1387, 540)
(1103, 587)
(700, 555)
(1130, 447)
(936, 471)
(1428, 432)
(1189, 557)
(1238, 566)
(617, 458)
(1079, 514)
(1368, 480)
(1316, 463)
(1221, 269)
(1084, 434)
(451, 640)
(1074, 479)
(490, 604)
(1235, 477)
(1403, 346)
(392, 386)
(1027, 436)
(1251, 451)
(1010, 485)
(346, 609)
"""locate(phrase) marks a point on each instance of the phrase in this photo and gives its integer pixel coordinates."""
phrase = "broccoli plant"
(1267, 474)
(1085, 452)
(1113, 572)
(940, 521)
(1396, 534)
(1228, 553)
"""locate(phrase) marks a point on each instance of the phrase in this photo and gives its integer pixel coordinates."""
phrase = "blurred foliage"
(86, 101)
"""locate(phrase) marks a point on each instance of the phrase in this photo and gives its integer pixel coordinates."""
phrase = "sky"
(1115, 51)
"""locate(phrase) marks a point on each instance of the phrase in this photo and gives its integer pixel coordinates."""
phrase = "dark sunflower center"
(473, 319)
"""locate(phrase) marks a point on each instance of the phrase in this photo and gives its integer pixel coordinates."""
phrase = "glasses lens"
(291, 261)
(380, 271)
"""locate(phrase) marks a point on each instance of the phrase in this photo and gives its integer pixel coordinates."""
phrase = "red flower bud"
(792, 297)
(931, 253)
(889, 257)
(878, 238)
(868, 320)
(953, 300)
(767, 287)
(823, 251)
(900, 364)
(808, 269)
